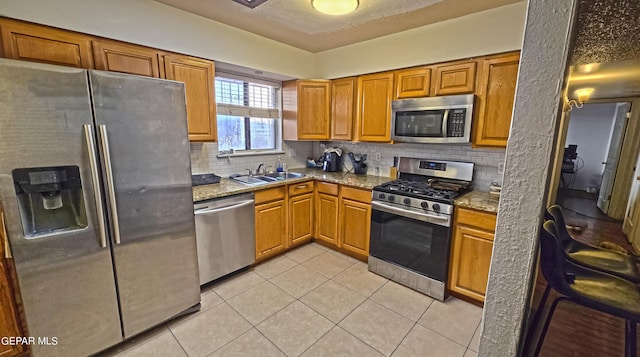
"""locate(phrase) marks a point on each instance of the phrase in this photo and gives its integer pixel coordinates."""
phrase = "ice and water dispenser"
(50, 200)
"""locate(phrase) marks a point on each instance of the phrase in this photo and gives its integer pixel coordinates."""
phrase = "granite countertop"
(478, 200)
(228, 187)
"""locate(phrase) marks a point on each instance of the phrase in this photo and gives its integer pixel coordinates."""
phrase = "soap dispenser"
(279, 166)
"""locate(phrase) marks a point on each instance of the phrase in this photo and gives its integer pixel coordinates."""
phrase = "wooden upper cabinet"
(342, 108)
(373, 115)
(126, 58)
(413, 82)
(306, 108)
(28, 42)
(198, 77)
(496, 91)
(455, 78)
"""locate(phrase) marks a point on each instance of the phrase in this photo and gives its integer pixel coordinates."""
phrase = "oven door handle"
(439, 220)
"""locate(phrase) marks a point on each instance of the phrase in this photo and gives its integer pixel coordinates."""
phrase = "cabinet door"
(412, 83)
(497, 88)
(470, 260)
(270, 229)
(9, 320)
(342, 99)
(327, 218)
(355, 226)
(198, 76)
(313, 110)
(27, 42)
(373, 117)
(301, 218)
(126, 58)
(458, 78)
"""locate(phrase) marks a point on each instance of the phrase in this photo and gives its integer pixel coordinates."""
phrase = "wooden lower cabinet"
(9, 317)
(471, 250)
(327, 218)
(301, 218)
(355, 221)
(270, 222)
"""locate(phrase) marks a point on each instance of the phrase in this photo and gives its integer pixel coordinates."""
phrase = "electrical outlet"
(501, 168)
(377, 156)
(292, 152)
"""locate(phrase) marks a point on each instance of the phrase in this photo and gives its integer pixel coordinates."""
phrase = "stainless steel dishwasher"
(225, 235)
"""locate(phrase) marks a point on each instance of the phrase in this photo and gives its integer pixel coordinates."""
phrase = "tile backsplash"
(204, 159)
(486, 160)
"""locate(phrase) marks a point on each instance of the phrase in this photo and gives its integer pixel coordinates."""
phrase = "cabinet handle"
(300, 187)
(7, 249)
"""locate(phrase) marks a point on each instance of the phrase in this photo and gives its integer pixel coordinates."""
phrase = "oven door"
(411, 242)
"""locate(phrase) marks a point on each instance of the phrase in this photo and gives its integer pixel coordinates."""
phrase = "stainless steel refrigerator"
(95, 182)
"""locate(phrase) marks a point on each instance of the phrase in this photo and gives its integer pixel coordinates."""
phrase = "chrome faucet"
(259, 167)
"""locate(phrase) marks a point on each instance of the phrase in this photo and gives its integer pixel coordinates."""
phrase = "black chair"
(586, 287)
(604, 260)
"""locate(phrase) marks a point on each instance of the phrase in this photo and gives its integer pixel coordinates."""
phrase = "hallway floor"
(313, 301)
(575, 330)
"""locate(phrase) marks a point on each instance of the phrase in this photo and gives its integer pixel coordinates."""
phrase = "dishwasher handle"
(222, 209)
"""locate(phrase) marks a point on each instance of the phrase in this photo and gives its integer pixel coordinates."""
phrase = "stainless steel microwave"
(445, 119)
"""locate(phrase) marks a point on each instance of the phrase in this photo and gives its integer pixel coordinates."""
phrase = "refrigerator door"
(66, 276)
(143, 141)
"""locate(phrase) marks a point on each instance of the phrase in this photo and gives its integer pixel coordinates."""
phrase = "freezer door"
(66, 276)
(143, 141)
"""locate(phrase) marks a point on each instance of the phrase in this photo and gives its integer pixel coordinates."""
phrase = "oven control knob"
(424, 205)
(435, 207)
(381, 196)
(407, 201)
(392, 198)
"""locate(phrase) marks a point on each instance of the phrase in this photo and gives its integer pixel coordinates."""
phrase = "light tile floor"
(313, 301)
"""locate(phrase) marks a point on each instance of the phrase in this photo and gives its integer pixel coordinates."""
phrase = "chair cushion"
(608, 292)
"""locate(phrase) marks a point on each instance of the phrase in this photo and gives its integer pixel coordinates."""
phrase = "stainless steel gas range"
(411, 223)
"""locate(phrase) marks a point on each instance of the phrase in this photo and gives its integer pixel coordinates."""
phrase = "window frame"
(229, 108)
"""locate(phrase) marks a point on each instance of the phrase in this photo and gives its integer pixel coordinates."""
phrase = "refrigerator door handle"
(104, 141)
(97, 192)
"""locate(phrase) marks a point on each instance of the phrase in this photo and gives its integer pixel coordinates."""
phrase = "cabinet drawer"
(300, 188)
(328, 188)
(269, 195)
(355, 194)
(476, 219)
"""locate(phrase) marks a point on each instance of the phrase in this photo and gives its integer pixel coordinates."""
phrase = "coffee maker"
(332, 160)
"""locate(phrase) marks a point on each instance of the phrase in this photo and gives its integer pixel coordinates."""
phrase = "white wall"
(153, 24)
(590, 128)
(492, 31)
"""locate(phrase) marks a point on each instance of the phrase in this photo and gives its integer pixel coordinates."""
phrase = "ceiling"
(296, 23)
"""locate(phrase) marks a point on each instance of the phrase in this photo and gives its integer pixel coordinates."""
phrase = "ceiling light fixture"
(335, 7)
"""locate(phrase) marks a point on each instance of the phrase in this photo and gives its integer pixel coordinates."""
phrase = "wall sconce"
(335, 7)
(583, 95)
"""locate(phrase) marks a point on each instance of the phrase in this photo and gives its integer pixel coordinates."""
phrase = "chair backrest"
(555, 213)
(552, 258)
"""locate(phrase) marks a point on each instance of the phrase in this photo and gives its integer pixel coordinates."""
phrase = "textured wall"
(486, 160)
(536, 111)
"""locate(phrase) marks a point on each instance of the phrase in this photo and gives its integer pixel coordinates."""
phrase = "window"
(248, 114)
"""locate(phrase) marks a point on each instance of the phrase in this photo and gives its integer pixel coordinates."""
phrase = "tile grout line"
(177, 340)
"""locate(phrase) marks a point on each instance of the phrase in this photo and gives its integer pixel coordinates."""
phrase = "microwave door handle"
(445, 122)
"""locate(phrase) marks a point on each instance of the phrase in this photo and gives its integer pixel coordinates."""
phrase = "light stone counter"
(228, 187)
(478, 200)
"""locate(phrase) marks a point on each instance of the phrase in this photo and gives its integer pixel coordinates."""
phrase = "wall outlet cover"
(377, 156)
(292, 152)
(501, 168)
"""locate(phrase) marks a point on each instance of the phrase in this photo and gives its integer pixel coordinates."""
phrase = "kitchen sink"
(266, 178)
(283, 175)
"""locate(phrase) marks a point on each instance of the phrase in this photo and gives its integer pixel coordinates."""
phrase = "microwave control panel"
(455, 127)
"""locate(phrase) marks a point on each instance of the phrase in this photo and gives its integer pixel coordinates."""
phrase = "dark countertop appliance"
(411, 222)
(359, 167)
(332, 160)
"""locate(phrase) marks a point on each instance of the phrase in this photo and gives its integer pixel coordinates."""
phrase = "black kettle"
(359, 167)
